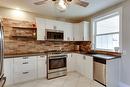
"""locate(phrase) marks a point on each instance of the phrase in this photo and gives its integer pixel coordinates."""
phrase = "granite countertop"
(23, 55)
(105, 57)
(100, 56)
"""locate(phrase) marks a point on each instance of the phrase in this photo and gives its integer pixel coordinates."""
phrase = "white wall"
(125, 64)
(24, 15)
(125, 60)
(17, 14)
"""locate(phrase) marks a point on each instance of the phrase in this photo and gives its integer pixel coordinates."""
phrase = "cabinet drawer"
(23, 64)
(24, 76)
(25, 59)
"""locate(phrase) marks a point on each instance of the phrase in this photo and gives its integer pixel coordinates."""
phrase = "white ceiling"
(48, 9)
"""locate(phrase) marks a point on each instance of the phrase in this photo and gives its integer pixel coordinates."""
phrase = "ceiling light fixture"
(61, 5)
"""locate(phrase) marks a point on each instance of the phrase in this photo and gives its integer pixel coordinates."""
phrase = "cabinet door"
(8, 71)
(88, 67)
(40, 28)
(79, 63)
(25, 69)
(68, 32)
(85, 27)
(71, 63)
(42, 72)
(50, 24)
(77, 32)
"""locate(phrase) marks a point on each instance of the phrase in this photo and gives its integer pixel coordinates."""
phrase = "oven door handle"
(57, 57)
(3, 80)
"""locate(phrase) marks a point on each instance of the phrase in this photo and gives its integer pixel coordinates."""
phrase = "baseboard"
(121, 84)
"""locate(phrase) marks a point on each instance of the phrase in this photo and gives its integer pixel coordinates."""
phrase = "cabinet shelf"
(24, 32)
(31, 37)
(31, 28)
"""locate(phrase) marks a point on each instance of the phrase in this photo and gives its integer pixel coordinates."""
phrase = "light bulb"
(61, 5)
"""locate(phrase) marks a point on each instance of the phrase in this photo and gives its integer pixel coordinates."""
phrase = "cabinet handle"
(84, 57)
(54, 27)
(71, 55)
(25, 72)
(45, 37)
(42, 56)
(73, 39)
(25, 57)
(25, 63)
(68, 38)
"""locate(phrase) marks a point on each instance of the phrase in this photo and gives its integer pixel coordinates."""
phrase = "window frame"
(103, 17)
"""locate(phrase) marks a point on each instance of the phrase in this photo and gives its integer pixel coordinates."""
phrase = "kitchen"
(62, 51)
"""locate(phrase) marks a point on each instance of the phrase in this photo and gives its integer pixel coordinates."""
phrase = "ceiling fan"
(62, 4)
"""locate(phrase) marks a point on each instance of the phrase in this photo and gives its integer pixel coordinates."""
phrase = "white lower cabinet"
(71, 62)
(25, 69)
(113, 72)
(84, 65)
(80, 63)
(22, 69)
(88, 67)
(8, 71)
(41, 68)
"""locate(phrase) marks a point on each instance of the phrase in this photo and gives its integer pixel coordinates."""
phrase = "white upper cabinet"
(72, 31)
(81, 31)
(51, 24)
(43, 24)
(85, 27)
(40, 23)
(68, 31)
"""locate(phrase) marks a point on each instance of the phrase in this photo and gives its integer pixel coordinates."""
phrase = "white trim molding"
(104, 16)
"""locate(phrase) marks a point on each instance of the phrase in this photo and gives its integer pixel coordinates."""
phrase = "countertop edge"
(43, 53)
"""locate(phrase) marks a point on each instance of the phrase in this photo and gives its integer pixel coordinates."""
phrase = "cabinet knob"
(84, 57)
(25, 72)
(73, 38)
(42, 56)
(54, 27)
(68, 38)
(25, 57)
(25, 63)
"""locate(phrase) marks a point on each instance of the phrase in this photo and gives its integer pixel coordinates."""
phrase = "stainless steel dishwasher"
(100, 70)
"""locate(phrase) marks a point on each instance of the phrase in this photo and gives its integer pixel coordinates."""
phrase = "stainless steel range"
(56, 64)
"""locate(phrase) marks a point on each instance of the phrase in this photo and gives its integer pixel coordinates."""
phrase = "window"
(107, 32)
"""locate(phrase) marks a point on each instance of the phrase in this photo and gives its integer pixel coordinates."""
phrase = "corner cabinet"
(84, 65)
(80, 63)
(81, 31)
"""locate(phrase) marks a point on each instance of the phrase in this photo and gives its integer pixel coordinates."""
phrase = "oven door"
(56, 63)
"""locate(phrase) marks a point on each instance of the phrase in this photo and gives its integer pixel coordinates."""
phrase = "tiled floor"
(71, 80)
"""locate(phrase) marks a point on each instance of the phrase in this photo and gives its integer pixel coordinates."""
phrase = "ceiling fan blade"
(82, 3)
(40, 2)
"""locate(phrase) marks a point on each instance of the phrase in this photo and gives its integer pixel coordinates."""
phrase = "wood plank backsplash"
(25, 45)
